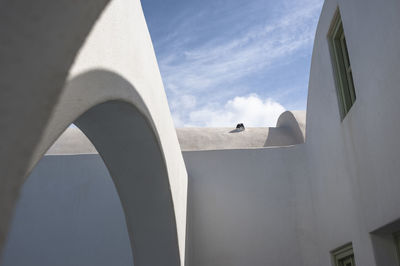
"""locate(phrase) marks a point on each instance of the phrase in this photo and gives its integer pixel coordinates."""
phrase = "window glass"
(344, 256)
(341, 63)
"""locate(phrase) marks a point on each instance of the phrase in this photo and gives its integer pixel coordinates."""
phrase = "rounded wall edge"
(120, 42)
(322, 87)
(42, 55)
(295, 122)
(92, 88)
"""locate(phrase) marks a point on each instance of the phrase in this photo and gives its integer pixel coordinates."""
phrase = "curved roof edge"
(290, 130)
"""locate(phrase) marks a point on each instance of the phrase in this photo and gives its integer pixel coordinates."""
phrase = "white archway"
(125, 138)
(58, 69)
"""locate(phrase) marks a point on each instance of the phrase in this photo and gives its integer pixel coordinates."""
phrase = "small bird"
(240, 127)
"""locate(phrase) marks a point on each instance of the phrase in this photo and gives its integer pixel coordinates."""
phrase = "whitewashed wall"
(69, 213)
(341, 186)
(293, 205)
(241, 207)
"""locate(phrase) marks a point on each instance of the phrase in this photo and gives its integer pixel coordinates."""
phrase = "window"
(386, 244)
(344, 256)
(342, 68)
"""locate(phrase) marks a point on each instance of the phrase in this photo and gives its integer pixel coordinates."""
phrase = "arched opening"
(69, 212)
(78, 69)
(129, 148)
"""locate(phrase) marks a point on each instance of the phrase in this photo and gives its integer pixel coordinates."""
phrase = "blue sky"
(225, 62)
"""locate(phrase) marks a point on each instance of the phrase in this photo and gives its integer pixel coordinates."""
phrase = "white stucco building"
(320, 188)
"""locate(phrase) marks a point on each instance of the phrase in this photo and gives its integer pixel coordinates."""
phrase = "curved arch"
(38, 46)
(131, 152)
(38, 103)
(114, 117)
(83, 92)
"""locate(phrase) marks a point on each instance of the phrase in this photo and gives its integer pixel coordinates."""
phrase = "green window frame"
(343, 256)
(342, 67)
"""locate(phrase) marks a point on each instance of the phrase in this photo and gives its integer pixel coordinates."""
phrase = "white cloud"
(250, 110)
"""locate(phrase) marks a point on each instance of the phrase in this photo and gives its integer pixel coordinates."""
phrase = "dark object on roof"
(240, 127)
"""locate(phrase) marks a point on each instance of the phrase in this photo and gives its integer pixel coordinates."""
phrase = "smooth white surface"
(241, 207)
(72, 141)
(277, 205)
(344, 181)
(131, 56)
(69, 213)
(111, 62)
(354, 165)
(38, 45)
(290, 130)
